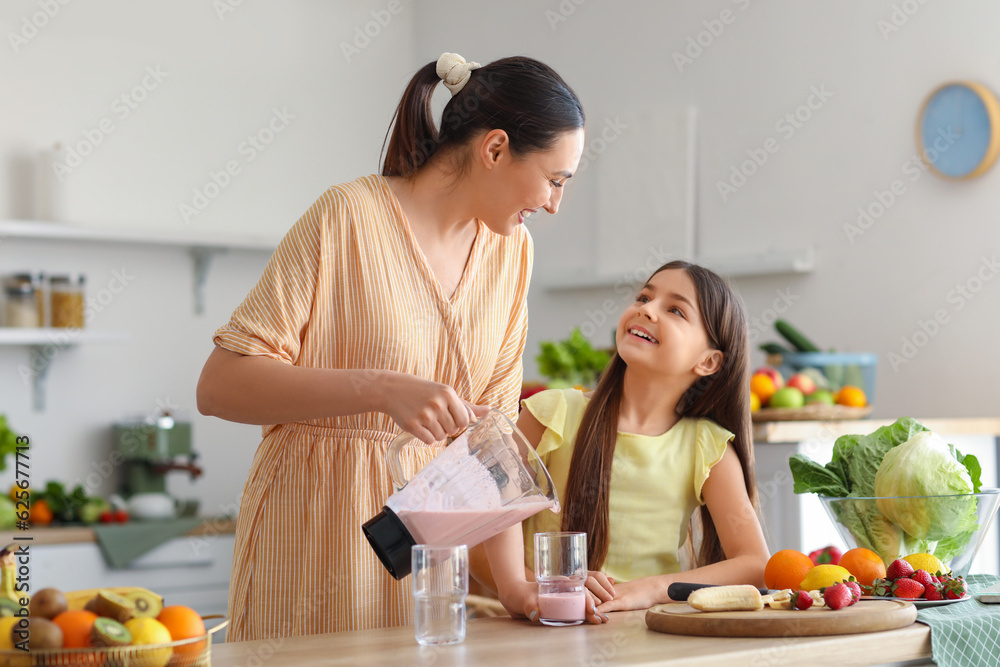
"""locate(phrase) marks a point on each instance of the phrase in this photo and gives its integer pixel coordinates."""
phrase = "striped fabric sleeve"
(272, 320)
(504, 388)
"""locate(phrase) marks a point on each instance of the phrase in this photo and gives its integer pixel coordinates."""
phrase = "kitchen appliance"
(488, 479)
(153, 448)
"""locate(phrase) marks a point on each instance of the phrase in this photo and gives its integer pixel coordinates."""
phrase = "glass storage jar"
(22, 303)
(66, 300)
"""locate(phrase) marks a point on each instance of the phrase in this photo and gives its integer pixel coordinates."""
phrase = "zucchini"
(774, 348)
(798, 341)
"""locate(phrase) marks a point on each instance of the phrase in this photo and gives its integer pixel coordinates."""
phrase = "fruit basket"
(812, 412)
(839, 368)
(194, 652)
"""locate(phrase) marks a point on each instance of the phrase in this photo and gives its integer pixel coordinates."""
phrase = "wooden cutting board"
(679, 618)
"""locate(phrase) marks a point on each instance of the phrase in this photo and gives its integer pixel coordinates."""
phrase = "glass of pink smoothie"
(561, 573)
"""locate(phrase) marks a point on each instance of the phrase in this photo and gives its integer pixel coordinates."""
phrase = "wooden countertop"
(82, 534)
(800, 431)
(625, 640)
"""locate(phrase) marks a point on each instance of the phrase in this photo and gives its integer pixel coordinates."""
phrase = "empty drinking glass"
(440, 585)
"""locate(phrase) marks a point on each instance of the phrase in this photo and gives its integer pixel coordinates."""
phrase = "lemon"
(6, 624)
(150, 631)
(822, 576)
(928, 562)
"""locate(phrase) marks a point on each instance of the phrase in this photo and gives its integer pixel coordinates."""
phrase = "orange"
(183, 623)
(851, 396)
(40, 513)
(864, 564)
(763, 386)
(786, 568)
(76, 626)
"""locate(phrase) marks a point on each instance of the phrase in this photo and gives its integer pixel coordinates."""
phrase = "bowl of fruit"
(802, 382)
(110, 627)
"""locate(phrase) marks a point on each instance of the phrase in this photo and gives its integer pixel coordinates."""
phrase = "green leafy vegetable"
(572, 361)
(8, 442)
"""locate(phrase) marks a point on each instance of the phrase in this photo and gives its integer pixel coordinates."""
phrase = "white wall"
(225, 73)
(863, 296)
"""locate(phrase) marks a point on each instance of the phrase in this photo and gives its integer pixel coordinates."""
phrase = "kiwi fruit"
(47, 603)
(109, 632)
(91, 605)
(41, 632)
(112, 605)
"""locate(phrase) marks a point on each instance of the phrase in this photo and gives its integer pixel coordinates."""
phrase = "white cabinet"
(192, 570)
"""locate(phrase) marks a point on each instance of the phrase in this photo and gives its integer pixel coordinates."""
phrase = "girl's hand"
(601, 585)
(431, 411)
(631, 595)
(520, 599)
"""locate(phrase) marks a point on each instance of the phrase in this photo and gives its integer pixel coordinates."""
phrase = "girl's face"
(663, 330)
(516, 187)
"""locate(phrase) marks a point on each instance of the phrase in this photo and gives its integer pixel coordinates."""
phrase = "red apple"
(772, 373)
(803, 383)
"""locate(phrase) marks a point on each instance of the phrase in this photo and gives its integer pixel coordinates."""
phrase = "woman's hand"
(431, 411)
(638, 594)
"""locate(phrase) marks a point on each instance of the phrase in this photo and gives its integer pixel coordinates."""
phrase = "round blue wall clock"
(958, 131)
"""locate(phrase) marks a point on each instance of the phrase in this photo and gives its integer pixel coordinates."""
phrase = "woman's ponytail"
(414, 136)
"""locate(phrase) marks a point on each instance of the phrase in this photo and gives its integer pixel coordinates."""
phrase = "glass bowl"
(950, 527)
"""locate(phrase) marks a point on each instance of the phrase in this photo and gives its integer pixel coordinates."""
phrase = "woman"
(396, 302)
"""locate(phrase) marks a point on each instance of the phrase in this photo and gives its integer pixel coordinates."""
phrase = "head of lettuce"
(906, 491)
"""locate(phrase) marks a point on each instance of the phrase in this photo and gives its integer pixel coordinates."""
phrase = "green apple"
(824, 396)
(787, 397)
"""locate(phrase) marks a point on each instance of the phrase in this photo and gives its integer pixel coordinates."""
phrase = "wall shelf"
(201, 247)
(43, 344)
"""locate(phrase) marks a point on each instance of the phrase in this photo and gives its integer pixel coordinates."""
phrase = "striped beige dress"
(349, 288)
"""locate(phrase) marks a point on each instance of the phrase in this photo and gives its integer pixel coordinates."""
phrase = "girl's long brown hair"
(723, 397)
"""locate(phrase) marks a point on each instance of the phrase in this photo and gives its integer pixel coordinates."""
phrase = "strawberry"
(880, 588)
(827, 555)
(838, 596)
(802, 600)
(933, 593)
(855, 587)
(907, 588)
(954, 588)
(924, 577)
(898, 569)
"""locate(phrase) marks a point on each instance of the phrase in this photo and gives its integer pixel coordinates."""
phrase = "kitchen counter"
(801, 431)
(623, 641)
(83, 534)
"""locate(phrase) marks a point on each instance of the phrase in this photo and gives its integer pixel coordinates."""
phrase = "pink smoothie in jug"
(466, 526)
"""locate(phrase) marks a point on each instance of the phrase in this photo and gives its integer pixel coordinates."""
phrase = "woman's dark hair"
(722, 397)
(521, 96)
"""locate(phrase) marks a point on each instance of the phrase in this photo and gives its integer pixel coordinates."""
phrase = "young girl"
(396, 302)
(666, 431)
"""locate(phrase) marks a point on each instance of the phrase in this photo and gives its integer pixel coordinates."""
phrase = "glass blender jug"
(486, 480)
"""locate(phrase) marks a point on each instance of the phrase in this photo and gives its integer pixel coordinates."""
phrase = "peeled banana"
(726, 598)
(147, 603)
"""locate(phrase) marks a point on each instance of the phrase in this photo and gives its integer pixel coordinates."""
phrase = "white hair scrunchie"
(455, 71)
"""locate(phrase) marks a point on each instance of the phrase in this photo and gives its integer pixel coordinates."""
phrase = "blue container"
(856, 369)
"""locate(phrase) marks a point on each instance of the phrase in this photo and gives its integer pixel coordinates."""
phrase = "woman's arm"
(739, 532)
(259, 390)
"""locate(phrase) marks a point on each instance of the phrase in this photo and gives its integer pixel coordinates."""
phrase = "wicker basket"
(812, 412)
(195, 652)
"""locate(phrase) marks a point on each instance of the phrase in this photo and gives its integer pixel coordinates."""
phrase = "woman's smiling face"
(663, 330)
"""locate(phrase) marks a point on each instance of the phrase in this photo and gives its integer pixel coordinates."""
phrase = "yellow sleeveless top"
(656, 484)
